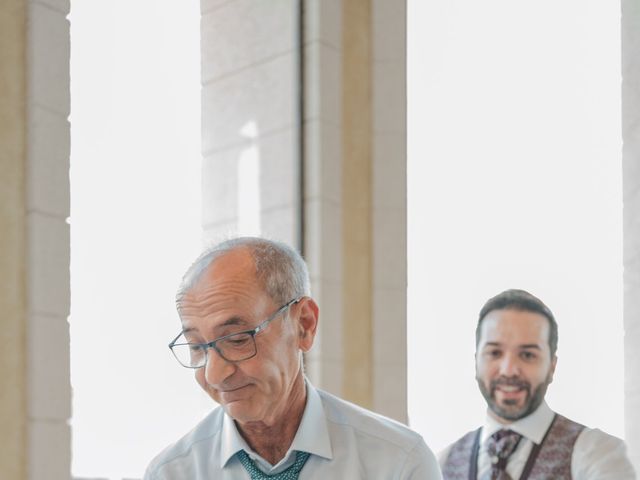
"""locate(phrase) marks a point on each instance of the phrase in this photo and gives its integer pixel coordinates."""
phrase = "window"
(135, 227)
(514, 149)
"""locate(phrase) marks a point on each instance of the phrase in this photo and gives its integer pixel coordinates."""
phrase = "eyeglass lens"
(234, 348)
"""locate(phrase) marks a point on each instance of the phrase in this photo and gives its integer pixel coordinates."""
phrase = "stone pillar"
(355, 198)
(354, 165)
(250, 131)
(34, 247)
(631, 221)
(323, 186)
(389, 207)
(357, 213)
(13, 252)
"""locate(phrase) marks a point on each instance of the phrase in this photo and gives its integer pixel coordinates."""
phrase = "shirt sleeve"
(150, 473)
(421, 464)
(600, 456)
(147, 475)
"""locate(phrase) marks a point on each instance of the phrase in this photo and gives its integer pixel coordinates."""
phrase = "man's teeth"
(509, 388)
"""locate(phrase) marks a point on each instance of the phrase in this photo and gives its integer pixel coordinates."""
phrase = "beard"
(510, 410)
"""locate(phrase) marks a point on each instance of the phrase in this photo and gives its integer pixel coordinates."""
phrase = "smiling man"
(522, 438)
(247, 317)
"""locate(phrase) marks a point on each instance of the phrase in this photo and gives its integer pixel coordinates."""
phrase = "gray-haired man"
(247, 317)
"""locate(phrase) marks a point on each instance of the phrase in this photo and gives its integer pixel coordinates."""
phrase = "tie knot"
(501, 445)
(503, 434)
(291, 473)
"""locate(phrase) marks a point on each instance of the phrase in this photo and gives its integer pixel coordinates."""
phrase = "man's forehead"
(221, 304)
(228, 279)
(234, 262)
(235, 265)
(514, 325)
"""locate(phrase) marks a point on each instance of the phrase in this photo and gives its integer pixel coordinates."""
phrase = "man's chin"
(239, 410)
(508, 413)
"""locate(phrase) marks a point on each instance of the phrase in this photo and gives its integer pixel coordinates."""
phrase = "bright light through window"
(135, 227)
(514, 182)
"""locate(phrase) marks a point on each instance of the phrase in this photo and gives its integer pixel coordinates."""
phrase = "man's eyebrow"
(230, 322)
(492, 344)
(233, 321)
(531, 345)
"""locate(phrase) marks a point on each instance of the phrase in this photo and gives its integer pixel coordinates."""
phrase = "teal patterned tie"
(290, 473)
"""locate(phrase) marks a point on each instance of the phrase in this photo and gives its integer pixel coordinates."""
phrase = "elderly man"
(522, 438)
(247, 317)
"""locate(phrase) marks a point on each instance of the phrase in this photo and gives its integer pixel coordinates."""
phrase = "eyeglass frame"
(212, 344)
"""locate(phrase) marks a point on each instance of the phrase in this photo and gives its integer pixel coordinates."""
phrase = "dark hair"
(523, 301)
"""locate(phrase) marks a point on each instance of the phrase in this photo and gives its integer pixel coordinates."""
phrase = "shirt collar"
(534, 426)
(231, 440)
(312, 435)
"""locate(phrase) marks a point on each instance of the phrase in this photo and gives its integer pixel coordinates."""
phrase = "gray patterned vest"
(550, 460)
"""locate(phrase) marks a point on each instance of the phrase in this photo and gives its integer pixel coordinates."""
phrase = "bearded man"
(522, 438)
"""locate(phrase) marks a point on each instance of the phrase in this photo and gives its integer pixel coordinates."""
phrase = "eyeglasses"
(234, 347)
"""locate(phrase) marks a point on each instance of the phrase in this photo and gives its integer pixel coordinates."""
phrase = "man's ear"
(308, 312)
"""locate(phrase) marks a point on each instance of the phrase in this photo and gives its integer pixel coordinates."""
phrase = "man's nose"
(217, 369)
(509, 366)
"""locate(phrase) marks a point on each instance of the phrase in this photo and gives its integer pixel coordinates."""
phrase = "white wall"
(48, 239)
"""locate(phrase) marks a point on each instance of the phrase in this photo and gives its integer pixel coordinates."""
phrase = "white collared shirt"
(345, 442)
(596, 454)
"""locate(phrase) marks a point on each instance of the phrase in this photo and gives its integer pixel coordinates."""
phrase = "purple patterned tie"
(500, 446)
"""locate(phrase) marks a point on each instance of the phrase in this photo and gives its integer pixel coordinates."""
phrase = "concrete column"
(250, 174)
(34, 247)
(323, 205)
(13, 252)
(355, 198)
(357, 241)
(631, 220)
(389, 208)
(354, 169)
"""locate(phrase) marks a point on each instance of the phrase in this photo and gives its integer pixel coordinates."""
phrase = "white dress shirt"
(345, 442)
(596, 454)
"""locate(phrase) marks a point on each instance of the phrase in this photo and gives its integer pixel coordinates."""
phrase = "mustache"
(510, 382)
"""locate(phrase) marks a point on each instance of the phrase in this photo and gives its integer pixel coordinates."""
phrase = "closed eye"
(238, 341)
